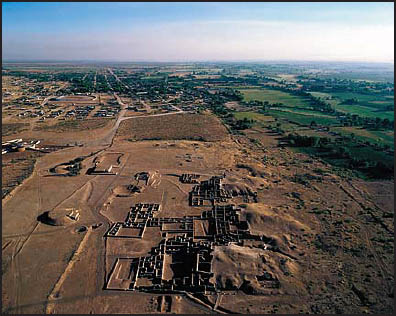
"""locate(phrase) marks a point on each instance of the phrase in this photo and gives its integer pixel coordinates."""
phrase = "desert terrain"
(173, 212)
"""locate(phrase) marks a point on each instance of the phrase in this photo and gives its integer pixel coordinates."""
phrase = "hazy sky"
(198, 31)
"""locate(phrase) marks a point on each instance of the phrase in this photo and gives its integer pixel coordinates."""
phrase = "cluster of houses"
(80, 112)
(54, 114)
(110, 110)
(30, 113)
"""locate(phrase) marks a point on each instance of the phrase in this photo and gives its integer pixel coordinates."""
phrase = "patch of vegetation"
(380, 138)
(365, 111)
(256, 117)
(365, 161)
(303, 119)
(274, 96)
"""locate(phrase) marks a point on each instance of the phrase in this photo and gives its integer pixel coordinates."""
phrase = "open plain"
(175, 212)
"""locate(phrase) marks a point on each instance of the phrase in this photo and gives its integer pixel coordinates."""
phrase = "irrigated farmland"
(274, 96)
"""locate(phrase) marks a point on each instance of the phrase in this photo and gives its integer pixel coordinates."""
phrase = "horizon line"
(9, 60)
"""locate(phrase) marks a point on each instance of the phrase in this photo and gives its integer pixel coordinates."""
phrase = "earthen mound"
(81, 229)
(238, 189)
(263, 218)
(127, 190)
(50, 218)
(235, 265)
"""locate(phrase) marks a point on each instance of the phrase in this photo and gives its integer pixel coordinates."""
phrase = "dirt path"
(364, 207)
(100, 203)
(19, 243)
(17, 277)
(385, 274)
(55, 291)
(378, 259)
(107, 140)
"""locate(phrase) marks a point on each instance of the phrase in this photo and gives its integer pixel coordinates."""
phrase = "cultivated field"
(254, 116)
(379, 137)
(365, 111)
(304, 118)
(274, 96)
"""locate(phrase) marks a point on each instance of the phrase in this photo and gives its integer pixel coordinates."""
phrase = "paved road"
(118, 79)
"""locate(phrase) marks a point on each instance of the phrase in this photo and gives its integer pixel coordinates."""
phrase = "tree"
(315, 141)
(377, 122)
(385, 123)
(344, 152)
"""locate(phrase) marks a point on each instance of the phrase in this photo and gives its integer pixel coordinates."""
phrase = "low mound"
(262, 218)
(81, 229)
(242, 268)
(255, 271)
(201, 127)
(154, 179)
(238, 189)
(233, 264)
(254, 170)
(60, 217)
(247, 180)
(55, 220)
(127, 190)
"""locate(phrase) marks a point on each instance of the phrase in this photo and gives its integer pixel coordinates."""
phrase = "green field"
(253, 116)
(304, 119)
(368, 105)
(275, 96)
(312, 132)
(365, 111)
(378, 137)
(234, 87)
(322, 95)
(303, 112)
(293, 116)
(152, 77)
(372, 100)
(362, 153)
(326, 97)
(367, 153)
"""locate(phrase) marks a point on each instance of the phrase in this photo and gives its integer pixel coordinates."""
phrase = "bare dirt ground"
(335, 234)
(16, 167)
(75, 125)
(13, 128)
(180, 126)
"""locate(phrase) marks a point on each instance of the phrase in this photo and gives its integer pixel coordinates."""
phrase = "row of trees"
(345, 85)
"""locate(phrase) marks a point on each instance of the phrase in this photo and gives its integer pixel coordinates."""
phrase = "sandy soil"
(334, 235)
